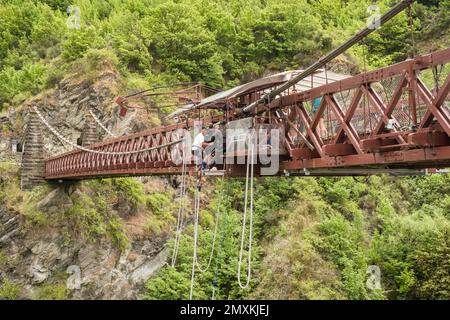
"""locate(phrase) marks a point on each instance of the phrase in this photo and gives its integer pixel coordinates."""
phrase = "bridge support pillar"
(90, 133)
(32, 170)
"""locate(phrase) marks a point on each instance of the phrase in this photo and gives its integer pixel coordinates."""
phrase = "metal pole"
(324, 60)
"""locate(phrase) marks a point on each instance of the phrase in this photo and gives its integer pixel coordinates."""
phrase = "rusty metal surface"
(387, 118)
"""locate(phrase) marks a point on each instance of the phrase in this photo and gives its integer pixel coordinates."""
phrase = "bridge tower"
(32, 171)
(90, 133)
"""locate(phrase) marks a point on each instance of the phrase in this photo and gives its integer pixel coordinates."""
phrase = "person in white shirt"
(197, 148)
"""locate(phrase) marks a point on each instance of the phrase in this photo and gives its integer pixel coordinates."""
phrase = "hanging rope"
(345, 101)
(194, 258)
(214, 240)
(437, 76)
(329, 124)
(366, 101)
(220, 249)
(181, 209)
(249, 176)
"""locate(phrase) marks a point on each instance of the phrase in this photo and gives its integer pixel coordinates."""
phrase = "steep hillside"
(327, 238)
(92, 240)
(314, 238)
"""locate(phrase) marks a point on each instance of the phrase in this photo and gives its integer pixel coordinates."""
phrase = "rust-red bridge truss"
(392, 118)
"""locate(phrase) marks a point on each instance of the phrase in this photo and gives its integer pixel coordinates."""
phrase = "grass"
(117, 233)
(16, 200)
(8, 168)
(52, 292)
(162, 208)
(9, 290)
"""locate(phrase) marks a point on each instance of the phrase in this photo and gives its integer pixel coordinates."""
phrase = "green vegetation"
(9, 290)
(313, 238)
(16, 200)
(92, 214)
(220, 43)
(52, 292)
(173, 283)
(351, 224)
(93, 211)
(162, 219)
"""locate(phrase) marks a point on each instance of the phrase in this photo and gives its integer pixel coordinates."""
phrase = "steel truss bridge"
(379, 121)
(395, 120)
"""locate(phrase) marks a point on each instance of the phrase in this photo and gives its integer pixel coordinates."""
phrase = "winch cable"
(250, 166)
(181, 209)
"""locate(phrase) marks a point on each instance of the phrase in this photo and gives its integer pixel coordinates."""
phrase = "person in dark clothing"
(214, 137)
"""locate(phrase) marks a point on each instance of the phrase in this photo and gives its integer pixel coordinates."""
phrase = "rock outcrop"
(88, 270)
(38, 256)
(9, 226)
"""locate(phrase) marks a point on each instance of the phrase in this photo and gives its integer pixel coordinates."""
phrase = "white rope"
(101, 124)
(194, 258)
(219, 253)
(74, 145)
(181, 209)
(63, 144)
(213, 243)
(250, 235)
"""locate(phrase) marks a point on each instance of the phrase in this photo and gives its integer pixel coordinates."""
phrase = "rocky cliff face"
(38, 256)
(33, 256)
(9, 139)
(69, 106)
(87, 270)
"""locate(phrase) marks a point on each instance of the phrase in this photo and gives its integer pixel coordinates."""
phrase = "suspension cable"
(250, 166)
(101, 124)
(411, 30)
(63, 144)
(74, 145)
